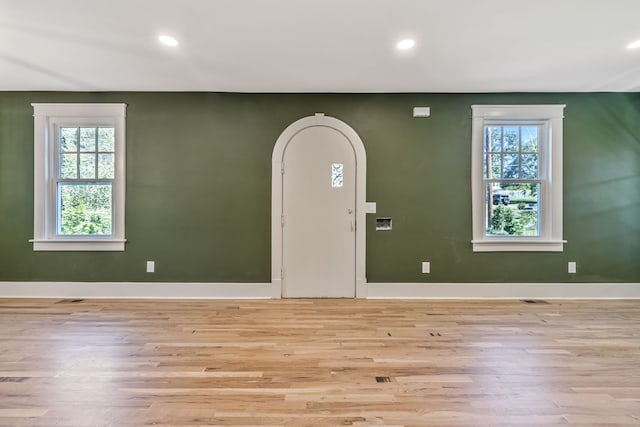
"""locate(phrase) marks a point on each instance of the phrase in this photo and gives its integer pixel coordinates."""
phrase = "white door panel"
(318, 256)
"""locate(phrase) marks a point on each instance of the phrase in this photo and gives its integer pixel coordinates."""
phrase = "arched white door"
(320, 207)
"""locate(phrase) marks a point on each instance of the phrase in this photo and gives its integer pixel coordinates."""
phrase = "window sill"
(96, 245)
(518, 245)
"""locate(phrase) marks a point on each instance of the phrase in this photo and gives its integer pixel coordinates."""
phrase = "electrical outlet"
(151, 266)
(426, 267)
(572, 267)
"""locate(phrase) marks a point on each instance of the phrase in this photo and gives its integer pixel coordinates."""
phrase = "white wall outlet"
(426, 267)
(572, 267)
(151, 266)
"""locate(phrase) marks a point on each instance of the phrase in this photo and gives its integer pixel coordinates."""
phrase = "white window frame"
(550, 163)
(47, 119)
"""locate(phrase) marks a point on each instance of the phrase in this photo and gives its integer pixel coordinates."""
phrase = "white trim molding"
(461, 291)
(78, 245)
(132, 290)
(519, 245)
(319, 119)
(473, 291)
(48, 118)
(550, 119)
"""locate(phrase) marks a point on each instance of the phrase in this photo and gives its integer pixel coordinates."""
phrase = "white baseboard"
(165, 290)
(503, 290)
(170, 290)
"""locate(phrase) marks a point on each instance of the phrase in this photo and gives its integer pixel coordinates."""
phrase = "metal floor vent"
(383, 379)
(13, 379)
(535, 301)
(69, 301)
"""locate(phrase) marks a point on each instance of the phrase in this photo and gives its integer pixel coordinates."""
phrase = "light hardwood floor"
(319, 363)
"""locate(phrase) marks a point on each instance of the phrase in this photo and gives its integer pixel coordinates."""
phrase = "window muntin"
(516, 175)
(79, 177)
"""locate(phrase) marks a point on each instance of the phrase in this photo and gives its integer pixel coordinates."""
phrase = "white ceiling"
(320, 46)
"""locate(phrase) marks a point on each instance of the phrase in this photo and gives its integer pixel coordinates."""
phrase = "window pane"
(68, 139)
(511, 139)
(84, 209)
(512, 209)
(106, 139)
(495, 161)
(529, 166)
(88, 139)
(87, 166)
(337, 174)
(105, 166)
(530, 139)
(68, 165)
(511, 166)
(495, 136)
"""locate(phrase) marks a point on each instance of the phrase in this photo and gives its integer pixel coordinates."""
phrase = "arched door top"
(319, 119)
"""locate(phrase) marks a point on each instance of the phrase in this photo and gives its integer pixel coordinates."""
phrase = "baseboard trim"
(172, 290)
(143, 290)
(503, 290)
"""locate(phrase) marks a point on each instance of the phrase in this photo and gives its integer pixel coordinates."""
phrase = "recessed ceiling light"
(406, 44)
(634, 45)
(168, 40)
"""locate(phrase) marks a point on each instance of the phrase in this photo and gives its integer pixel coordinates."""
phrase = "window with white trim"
(79, 177)
(516, 178)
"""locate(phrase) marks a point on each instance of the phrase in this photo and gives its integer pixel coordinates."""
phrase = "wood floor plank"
(318, 363)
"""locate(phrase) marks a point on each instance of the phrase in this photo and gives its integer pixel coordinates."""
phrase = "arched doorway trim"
(319, 119)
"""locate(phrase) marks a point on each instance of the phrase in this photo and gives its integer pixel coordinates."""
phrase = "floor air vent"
(383, 379)
(69, 301)
(534, 301)
(13, 379)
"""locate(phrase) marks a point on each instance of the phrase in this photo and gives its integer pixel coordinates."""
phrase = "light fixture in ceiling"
(168, 40)
(634, 45)
(406, 44)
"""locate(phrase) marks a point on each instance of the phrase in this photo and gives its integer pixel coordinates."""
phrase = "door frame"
(319, 119)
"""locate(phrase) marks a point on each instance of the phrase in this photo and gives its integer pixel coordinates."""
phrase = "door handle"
(353, 226)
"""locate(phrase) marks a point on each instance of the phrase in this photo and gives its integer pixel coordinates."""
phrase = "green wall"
(199, 187)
